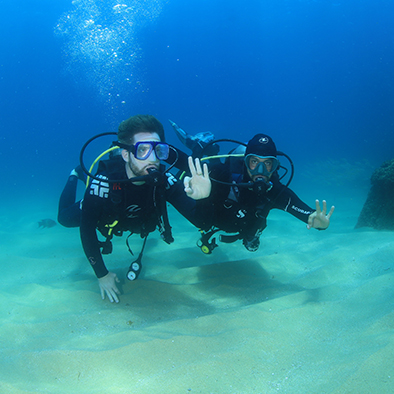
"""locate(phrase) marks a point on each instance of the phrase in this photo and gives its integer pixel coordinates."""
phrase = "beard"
(141, 171)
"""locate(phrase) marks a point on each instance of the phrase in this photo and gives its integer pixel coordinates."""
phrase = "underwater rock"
(46, 223)
(378, 210)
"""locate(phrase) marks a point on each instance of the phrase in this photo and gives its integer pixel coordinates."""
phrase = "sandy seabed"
(310, 312)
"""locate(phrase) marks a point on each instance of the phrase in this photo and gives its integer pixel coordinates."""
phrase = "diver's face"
(136, 167)
(254, 163)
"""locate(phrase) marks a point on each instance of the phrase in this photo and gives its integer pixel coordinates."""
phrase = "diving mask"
(261, 166)
(143, 149)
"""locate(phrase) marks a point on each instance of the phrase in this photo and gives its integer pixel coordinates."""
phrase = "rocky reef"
(378, 210)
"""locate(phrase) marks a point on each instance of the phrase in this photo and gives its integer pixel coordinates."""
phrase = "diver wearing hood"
(244, 193)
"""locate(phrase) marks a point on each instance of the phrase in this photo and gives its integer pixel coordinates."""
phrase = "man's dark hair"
(139, 124)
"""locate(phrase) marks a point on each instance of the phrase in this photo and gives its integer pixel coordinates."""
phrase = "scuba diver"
(245, 189)
(129, 193)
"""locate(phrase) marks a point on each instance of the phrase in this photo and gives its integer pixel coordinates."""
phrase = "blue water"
(311, 311)
(316, 75)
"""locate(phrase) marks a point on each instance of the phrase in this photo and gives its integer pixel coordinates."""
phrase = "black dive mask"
(261, 165)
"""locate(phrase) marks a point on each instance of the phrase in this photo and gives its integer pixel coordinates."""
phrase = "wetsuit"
(243, 211)
(131, 207)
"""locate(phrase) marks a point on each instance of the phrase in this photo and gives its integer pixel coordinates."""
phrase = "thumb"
(186, 181)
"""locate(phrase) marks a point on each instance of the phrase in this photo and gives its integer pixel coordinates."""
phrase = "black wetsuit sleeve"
(288, 201)
(92, 209)
(198, 212)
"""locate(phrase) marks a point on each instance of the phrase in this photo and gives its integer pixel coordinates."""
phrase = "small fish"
(46, 223)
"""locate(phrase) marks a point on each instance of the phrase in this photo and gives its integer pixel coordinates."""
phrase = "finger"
(191, 166)
(102, 293)
(324, 207)
(318, 210)
(186, 182)
(116, 290)
(310, 221)
(198, 166)
(109, 295)
(205, 169)
(114, 297)
(331, 212)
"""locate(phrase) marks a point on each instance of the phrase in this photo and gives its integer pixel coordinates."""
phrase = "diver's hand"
(199, 185)
(108, 286)
(320, 219)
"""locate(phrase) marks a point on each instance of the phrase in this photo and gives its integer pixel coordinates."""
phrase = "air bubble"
(97, 35)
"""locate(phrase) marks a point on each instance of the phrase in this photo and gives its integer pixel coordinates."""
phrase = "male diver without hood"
(129, 193)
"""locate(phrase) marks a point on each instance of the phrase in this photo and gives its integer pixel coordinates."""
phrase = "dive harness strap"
(162, 214)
